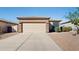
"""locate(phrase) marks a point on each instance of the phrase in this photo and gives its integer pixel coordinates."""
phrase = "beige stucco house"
(35, 24)
(6, 26)
(29, 24)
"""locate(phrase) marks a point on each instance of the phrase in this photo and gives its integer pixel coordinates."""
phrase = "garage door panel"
(34, 27)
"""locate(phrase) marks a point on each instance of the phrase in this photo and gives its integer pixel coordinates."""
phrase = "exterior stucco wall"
(20, 28)
(14, 28)
(4, 25)
(31, 21)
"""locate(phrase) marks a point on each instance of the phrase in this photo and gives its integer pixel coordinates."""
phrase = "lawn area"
(66, 40)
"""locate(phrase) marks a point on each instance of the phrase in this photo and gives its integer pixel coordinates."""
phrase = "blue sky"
(10, 13)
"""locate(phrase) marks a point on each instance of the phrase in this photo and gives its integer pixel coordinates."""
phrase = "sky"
(10, 13)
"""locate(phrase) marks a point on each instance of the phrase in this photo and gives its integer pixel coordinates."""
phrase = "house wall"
(31, 21)
(20, 26)
(14, 28)
(4, 25)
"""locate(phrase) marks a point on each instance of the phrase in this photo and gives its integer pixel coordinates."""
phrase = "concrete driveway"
(29, 42)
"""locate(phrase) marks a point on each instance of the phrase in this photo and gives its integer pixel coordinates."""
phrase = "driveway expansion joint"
(23, 42)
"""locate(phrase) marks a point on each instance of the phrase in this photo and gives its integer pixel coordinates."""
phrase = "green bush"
(64, 29)
(67, 29)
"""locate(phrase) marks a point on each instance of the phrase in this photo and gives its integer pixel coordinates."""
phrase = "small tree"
(74, 18)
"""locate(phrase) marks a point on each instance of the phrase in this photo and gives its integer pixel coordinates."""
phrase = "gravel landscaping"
(66, 40)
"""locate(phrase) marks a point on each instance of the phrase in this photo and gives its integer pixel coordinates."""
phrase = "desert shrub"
(64, 29)
(77, 31)
(67, 29)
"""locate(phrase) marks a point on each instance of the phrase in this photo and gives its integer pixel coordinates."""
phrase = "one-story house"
(68, 24)
(7, 26)
(36, 24)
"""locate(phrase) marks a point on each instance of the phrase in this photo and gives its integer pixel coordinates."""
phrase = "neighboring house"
(68, 24)
(6, 26)
(36, 24)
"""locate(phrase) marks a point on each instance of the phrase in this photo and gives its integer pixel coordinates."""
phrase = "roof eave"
(31, 18)
(55, 20)
(9, 22)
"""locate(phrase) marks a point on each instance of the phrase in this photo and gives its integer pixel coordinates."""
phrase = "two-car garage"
(33, 24)
(34, 27)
